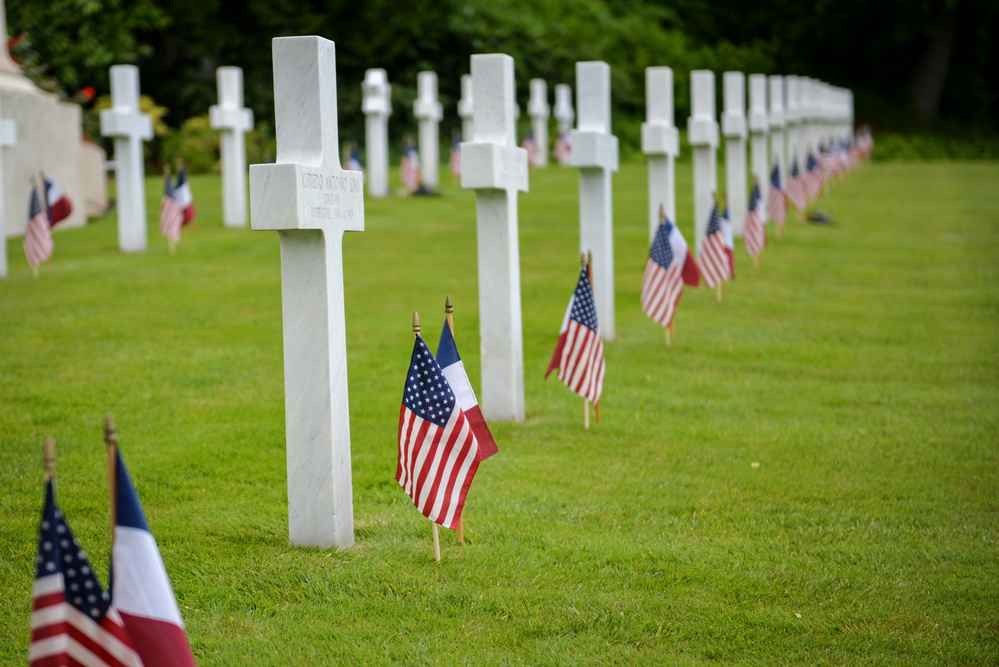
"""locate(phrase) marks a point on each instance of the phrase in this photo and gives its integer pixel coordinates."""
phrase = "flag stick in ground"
(49, 458)
(437, 539)
(170, 242)
(449, 315)
(34, 269)
(111, 441)
(589, 269)
(587, 262)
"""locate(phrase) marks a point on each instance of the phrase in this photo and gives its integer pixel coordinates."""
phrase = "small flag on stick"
(755, 233)
(669, 266)
(38, 243)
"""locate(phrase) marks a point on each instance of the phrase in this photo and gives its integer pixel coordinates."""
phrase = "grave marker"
(661, 143)
(777, 121)
(792, 118)
(595, 153)
(496, 169)
(232, 119)
(428, 110)
(311, 201)
(539, 111)
(758, 126)
(8, 137)
(702, 133)
(376, 106)
(129, 127)
(466, 108)
(734, 129)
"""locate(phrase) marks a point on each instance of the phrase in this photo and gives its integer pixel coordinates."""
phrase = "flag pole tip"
(582, 259)
(448, 305)
(49, 456)
(416, 322)
(110, 431)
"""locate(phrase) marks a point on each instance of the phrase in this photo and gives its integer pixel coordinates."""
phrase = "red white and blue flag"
(409, 168)
(454, 370)
(532, 149)
(776, 201)
(354, 160)
(184, 198)
(454, 162)
(714, 257)
(669, 267)
(796, 187)
(563, 146)
(813, 177)
(140, 587)
(438, 450)
(38, 243)
(829, 162)
(755, 234)
(579, 353)
(171, 215)
(59, 205)
(73, 621)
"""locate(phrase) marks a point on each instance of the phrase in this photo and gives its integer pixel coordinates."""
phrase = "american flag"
(73, 621)
(171, 215)
(438, 451)
(38, 243)
(579, 353)
(182, 193)
(59, 205)
(669, 266)
(354, 160)
(563, 146)
(454, 162)
(531, 148)
(796, 187)
(409, 168)
(728, 241)
(755, 232)
(776, 202)
(813, 177)
(829, 162)
(714, 258)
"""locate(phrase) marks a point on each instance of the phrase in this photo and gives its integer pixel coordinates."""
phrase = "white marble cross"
(466, 109)
(735, 131)
(496, 169)
(777, 121)
(539, 111)
(376, 106)
(232, 120)
(428, 111)
(564, 115)
(8, 137)
(702, 133)
(792, 116)
(129, 127)
(595, 153)
(661, 143)
(758, 126)
(311, 201)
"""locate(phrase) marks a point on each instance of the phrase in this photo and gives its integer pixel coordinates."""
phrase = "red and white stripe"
(62, 635)
(409, 172)
(580, 353)
(755, 234)
(436, 465)
(38, 244)
(562, 150)
(714, 260)
(454, 163)
(171, 218)
(813, 183)
(796, 192)
(776, 205)
(661, 291)
(185, 200)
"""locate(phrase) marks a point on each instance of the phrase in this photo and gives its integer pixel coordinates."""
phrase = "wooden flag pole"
(111, 440)
(49, 458)
(449, 316)
(669, 341)
(756, 261)
(724, 287)
(583, 263)
(437, 539)
(718, 291)
(170, 242)
(589, 270)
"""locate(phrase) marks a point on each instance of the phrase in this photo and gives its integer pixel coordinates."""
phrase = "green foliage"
(196, 144)
(936, 146)
(857, 366)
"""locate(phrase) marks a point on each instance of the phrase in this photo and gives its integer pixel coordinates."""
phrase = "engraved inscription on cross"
(311, 201)
(661, 142)
(233, 120)
(496, 169)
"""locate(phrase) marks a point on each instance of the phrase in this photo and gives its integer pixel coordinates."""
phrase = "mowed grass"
(857, 366)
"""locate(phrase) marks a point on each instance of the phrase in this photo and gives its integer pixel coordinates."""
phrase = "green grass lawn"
(858, 366)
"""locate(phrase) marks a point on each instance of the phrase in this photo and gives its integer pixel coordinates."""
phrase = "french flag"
(59, 204)
(184, 198)
(454, 371)
(140, 587)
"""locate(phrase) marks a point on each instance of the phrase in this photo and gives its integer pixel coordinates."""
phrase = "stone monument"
(428, 111)
(702, 133)
(539, 111)
(734, 129)
(376, 106)
(661, 143)
(777, 121)
(466, 109)
(233, 121)
(758, 126)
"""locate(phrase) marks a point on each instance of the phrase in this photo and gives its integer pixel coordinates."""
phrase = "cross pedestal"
(311, 201)
(758, 126)
(661, 143)
(734, 129)
(594, 152)
(129, 128)
(496, 169)
(777, 121)
(232, 120)
(428, 110)
(539, 111)
(8, 137)
(376, 106)
(466, 108)
(702, 133)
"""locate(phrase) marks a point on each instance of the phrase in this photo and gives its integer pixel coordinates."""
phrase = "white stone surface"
(428, 111)
(595, 153)
(702, 133)
(539, 111)
(661, 143)
(466, 108)
(233, 121)
(311, 201)
(777, 124)
(793, 117)
(376, 105)
(129, 127)
(496, 169)
(759, 126)
(564, 114)
(8, 137)
(735, 129)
